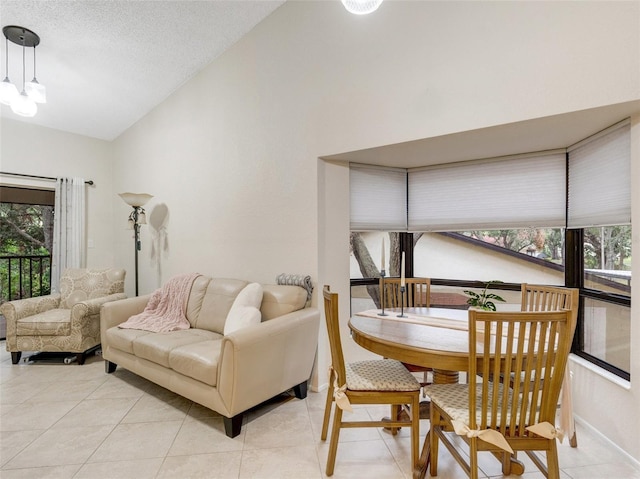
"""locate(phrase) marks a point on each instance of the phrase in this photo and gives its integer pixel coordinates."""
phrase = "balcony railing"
(24, 276)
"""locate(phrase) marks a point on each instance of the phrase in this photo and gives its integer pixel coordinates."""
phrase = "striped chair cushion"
(454, 399)
(380, 375)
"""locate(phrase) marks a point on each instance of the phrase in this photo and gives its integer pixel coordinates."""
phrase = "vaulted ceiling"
(106, 64)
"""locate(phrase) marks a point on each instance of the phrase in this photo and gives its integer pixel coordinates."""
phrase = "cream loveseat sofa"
(228, 374)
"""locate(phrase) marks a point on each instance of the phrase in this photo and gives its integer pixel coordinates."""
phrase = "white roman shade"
(600, 179)
(511, 192)
(378, 198)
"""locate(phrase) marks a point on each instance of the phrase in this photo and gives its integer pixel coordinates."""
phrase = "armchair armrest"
(115, 312)
(21, 308)
(89, 307)
(261, 361)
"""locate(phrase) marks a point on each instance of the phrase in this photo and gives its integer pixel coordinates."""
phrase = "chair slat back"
(417, 292)
(333, 330)
(533, 346)
(550, 298)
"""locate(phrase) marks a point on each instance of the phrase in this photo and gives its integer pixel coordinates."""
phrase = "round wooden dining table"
(437, 338)
(432, 337)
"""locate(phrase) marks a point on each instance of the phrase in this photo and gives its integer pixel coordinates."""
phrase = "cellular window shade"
(600, 179)
(514, 192)
(378, 198)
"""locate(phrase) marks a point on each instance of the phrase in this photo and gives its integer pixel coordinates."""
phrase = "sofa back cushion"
(211, 299)
(209, 310)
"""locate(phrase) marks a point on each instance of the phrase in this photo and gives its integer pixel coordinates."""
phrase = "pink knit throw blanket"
(166, 308)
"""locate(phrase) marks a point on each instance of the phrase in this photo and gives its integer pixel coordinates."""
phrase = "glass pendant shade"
(8, 91)
(361, 7)
(24, 106)
(36, 91)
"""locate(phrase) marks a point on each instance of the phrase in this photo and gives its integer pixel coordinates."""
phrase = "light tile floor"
(68, 421)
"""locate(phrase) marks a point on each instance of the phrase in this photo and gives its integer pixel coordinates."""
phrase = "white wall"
(34, 150)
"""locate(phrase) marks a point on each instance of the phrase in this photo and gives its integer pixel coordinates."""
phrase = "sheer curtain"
(68, 228)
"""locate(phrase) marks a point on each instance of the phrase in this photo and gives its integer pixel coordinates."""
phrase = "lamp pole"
(136, 218)
(137, 244)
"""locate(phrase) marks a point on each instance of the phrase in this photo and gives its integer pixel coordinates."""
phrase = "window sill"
(618, 381)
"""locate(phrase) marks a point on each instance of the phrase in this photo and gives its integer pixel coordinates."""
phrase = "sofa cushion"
(156, 347)
(216, 303)
(198, 361)
(55, 322)
(122, 339)
(244, 311)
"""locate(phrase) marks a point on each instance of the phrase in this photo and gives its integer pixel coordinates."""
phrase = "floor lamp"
(136, 218)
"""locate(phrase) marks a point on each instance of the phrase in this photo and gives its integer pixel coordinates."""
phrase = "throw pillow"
(245, 310)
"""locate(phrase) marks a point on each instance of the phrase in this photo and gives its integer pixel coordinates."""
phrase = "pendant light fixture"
(23, 103)
(361, 7)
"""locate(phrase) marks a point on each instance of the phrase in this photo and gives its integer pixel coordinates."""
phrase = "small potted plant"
(485, 300)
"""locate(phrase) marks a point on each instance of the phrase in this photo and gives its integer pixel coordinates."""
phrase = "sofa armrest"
(261, 361)
(21, 308)
(113, 313)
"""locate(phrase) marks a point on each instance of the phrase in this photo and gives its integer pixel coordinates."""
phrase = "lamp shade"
(135, 199)
(36, 91)
(361, 7)
(23, 105)
(8, 91)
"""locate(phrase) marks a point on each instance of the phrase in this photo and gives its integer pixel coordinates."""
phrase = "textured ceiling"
(107, 63)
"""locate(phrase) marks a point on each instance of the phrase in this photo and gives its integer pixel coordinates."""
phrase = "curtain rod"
(50, 178)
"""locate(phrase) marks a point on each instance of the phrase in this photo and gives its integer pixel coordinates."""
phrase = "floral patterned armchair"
(68, 321)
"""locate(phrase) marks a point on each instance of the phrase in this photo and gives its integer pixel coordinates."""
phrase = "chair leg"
(553, 466)
(473, 458)
(333, 443)
(109, 367)
(327, 411)
(433, 441)
(15, 357)
(415, 431)
(396, 411)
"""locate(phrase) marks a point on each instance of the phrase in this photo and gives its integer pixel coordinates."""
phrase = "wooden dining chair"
(555, 298)
(380, 381)
(490, 415)
(417, 294)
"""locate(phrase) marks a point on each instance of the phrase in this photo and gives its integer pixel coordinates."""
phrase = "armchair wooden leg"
(15, 357)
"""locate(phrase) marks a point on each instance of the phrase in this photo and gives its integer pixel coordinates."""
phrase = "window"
(26, 235)
(559, 217)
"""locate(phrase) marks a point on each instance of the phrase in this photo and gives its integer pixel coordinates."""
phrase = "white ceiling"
(106, 63)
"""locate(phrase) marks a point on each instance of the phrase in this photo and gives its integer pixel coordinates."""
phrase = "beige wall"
(234, 152)
(34, 150)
